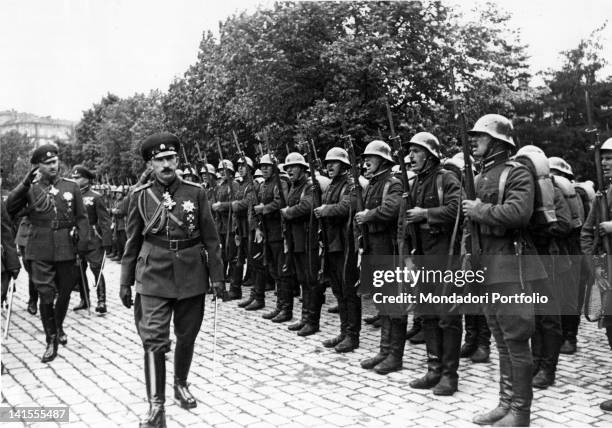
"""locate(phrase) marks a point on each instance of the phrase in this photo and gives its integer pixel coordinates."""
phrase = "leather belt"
(172, 244)
(53, 224)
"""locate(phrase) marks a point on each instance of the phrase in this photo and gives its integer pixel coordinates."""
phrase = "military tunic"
(10, 261)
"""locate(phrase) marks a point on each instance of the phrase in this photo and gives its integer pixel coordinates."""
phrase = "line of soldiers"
(270, 230)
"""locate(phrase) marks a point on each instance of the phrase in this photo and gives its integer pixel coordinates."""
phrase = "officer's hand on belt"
(219, 290)
(283, 212)
(360, 217)
(416, 215)
(29, 178)
(216, 206)
(605, 228)
(469, 206)
(15, 273)
(234, 205)
(258, 208)
(125, 294)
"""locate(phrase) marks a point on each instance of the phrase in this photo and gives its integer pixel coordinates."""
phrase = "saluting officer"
(55, 209)
(592, 226)
(381, 208)
(337, 204)
(503, 220)
(99, 237)
(436, 193)
(172, 254)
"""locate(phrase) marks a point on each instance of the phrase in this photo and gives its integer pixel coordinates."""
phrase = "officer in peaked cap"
(99, 237)
(172, 255)
(58, 217)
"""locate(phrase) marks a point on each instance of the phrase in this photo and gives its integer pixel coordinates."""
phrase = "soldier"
(21, 240)
(99, 238)
(551, 242)
(10, 261)
(55, 208)
(502, 221)
(381, 207)
(172, 254)
(253, 254)
(208, 174)
(588, 242)
(271, 198)
(341, 263)
(225, 193)
(436, 193)
(304, 251)
(119, 211)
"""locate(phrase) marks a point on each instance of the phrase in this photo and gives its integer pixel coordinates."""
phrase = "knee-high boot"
(182, 363)
(155, 378)
(385, 344)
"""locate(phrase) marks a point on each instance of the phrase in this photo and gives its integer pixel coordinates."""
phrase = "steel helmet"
(427, 141)
(525, 150)
(267, 160)
(338, 154)
(607, 145)
(257, 173)
(226, 164)
(210, 169)
(190, 171)
(558, 164)
(379, 148)
(294, 158)
(249, 162)
(495, 125)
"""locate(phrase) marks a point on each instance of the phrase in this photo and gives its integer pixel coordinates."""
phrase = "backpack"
(572, 199)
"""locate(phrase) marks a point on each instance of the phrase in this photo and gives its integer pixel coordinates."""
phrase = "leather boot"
(182, 362)
(297, 326)
(551, 345)
(505, 395)
(568, 348)
(471, 336)
(467, 349)
(235, 293)
(385, 344)
(348, 344)
(33, 298)
(62, 338)
(101, 291)
(246, 302)
(353, 321)
(274, 312)
(32, 307)
(394, 362)
(451, 342)
(522, 395)
(372, 319)
(315, 302)
(606, 406)
(481, 355)
(433, 345)
(155, 377)
(285, 294)
(84, 292)
(417, 325)
(47, 316)
(343, 314)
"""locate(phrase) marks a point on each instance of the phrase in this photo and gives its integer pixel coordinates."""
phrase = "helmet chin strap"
(429, 163)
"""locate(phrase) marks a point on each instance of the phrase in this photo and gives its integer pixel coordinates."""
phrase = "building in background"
(41, 130)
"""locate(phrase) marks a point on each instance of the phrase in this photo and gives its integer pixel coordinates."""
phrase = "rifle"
(249, 181)
(363, 243)
(260, 221)
(188, 165)
(200, 162)
(407, 202)
(315, 163)
(473, 247)
(230, 195)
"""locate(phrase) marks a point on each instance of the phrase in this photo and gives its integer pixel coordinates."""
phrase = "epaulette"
(142, 186)
(70, 180)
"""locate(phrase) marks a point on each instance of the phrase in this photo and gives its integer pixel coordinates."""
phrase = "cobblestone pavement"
(266, 376)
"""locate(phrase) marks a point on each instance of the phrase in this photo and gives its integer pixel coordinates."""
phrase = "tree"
(15, 160)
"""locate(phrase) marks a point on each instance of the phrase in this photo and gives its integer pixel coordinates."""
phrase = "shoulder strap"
(440, 187)
(502, 183)
(157, 201)
(385, 191)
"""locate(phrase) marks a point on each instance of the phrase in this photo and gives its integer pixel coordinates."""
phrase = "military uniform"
(276, 247)
(512, 324)
(55, 208)
(99, 240)
(171, 255)
(225, 193)
(119, 212)
(304, 253)
(337, 207)
(438, 191)
(10, 261)
(382, 201)
(21, 240)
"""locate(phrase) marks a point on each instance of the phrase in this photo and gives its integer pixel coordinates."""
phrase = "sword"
(215, 336)
(101, 269)
(9, 309)
(83, 279)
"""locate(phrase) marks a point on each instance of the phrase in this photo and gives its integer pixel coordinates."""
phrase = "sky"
(61, 56)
